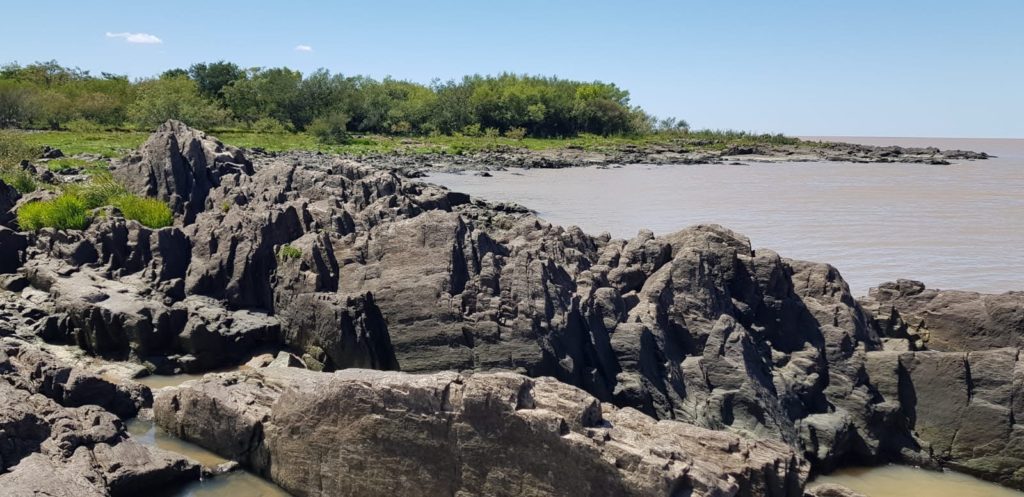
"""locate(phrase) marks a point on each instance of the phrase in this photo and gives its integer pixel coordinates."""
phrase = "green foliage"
(288, 252)
(70, 209)
(213, 77)
(515, 133)
(268, 125)
(173, 98)
(150, 212)
(64, 212)
(331, 130)
(101, 190)
(65, 163)
(13, 150)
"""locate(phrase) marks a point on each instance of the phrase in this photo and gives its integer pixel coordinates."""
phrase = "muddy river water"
(958, 226)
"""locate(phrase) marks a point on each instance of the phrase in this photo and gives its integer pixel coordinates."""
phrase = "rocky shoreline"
(429, 342)
(657, 154)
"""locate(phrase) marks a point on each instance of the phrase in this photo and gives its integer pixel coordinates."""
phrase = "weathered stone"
(449, 434)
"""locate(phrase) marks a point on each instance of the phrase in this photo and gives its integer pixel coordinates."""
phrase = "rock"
(180, 165)
(50, 446)
(34, 370)
(950, 320)
(8, 199)
(12, 248)
(450, 434)
(830, 490)
(51, 152)
(962, 407)
(353, 266)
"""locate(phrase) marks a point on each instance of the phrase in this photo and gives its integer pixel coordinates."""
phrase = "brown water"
(905, 481)
(237, 484)
(959, 226)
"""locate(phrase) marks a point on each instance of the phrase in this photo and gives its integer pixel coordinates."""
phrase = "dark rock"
(950, 320)
(51, 153)
(180, 165)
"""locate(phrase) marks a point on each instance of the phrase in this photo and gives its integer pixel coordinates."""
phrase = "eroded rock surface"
(350, 266)
(949, 320)
(372, 433)
(60, 434)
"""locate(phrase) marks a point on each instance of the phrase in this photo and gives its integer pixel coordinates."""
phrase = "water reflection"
(237, 484)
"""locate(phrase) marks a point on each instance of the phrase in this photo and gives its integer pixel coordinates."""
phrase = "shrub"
(269, 125)
(151, 212)
(288, 252)
(158, 100)
(23, 181)
(331, 129)
(64, 212)
(472, 130)
(516, 133)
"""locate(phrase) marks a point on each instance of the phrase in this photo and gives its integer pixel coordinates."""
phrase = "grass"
(288, 252)
(108, 144)
(66, 163)
(71, 209)
(13, 150)
(150, 212)
(64, 212)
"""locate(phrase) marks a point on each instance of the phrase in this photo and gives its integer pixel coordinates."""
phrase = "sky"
(935, 68)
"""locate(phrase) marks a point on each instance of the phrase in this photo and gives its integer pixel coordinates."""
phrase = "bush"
(331, 129)
(23, 181)
(516, 133)
(64, 212)
(173, 98)
(287, 252)
(269, 125)
(151, 212)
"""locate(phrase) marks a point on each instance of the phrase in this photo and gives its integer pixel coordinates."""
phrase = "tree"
(213, 77)
(158, 100)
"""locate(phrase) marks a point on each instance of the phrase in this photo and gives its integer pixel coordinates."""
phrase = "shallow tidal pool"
(907, 481)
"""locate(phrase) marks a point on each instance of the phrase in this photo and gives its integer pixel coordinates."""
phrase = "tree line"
(223, 94)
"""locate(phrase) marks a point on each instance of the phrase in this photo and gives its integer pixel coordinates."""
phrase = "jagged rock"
(54, 443)
(448, 434)
(950, 320)
(180, 165)
(354, 266)
(32, 369)
(12, 248)
(8, 199)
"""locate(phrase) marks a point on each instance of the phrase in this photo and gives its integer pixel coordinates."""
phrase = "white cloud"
(303, 48)
(140, 38)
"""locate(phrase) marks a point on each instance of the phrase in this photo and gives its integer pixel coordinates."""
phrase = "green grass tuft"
(70, 210)
(64, 212)
(151, 212)
(287, 252)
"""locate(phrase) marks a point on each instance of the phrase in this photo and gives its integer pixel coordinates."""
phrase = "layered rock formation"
(350, 266)
(372, 433)
(60, 434)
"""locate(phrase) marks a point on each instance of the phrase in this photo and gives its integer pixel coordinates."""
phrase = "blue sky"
(821, 67)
